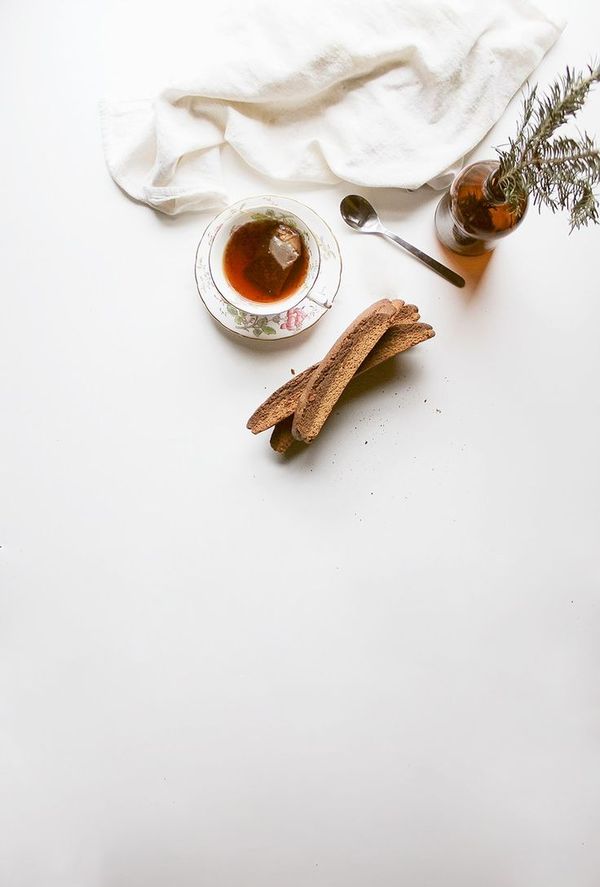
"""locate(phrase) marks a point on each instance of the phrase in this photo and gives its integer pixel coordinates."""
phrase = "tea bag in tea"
(274, 259)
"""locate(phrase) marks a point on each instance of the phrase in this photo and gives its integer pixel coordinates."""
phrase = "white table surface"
(375, 664)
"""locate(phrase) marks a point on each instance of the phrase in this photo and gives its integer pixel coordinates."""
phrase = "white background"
(375, 664)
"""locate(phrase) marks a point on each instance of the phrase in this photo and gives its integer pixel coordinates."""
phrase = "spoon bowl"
(359, 213)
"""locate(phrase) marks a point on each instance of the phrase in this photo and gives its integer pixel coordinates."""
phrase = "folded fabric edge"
(552, 10)
(109, 110)
(173, 201)
(170, 200)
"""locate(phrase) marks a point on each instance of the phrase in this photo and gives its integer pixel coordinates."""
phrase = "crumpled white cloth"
(388, 93)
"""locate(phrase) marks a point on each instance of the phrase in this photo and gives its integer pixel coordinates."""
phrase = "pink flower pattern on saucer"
(294, 319)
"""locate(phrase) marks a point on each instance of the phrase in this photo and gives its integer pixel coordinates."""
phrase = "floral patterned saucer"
(284, 323)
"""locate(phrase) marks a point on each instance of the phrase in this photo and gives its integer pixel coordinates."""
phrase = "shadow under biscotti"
(396, 373)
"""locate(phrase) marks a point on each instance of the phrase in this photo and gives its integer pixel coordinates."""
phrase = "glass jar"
(473, 214)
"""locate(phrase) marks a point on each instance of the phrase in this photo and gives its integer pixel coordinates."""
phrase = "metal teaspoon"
(359, 214)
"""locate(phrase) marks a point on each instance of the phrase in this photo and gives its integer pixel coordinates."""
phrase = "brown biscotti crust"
(283, 401)
(396, 340)
(282, 437)
(405, 313)
(337, 368)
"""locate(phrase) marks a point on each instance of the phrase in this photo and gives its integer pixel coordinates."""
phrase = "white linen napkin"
(388, 93)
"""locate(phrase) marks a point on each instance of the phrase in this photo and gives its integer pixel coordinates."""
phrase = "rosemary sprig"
(559, 173)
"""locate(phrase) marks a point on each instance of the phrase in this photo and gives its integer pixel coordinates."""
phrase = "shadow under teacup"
(268, 212)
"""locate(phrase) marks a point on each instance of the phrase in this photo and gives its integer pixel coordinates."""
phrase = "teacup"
(260, 213)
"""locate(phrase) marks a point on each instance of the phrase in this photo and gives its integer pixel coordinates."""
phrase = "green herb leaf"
(560, 172)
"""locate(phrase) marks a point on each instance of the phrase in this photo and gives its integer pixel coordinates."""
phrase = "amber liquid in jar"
(473, 215)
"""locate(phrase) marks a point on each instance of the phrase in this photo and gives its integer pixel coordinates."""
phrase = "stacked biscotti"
(298, 410)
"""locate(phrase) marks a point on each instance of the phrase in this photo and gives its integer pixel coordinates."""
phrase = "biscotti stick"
(328, 381)
(393, 342)
(283, 401)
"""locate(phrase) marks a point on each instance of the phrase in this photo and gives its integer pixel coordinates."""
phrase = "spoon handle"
(447, 273)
